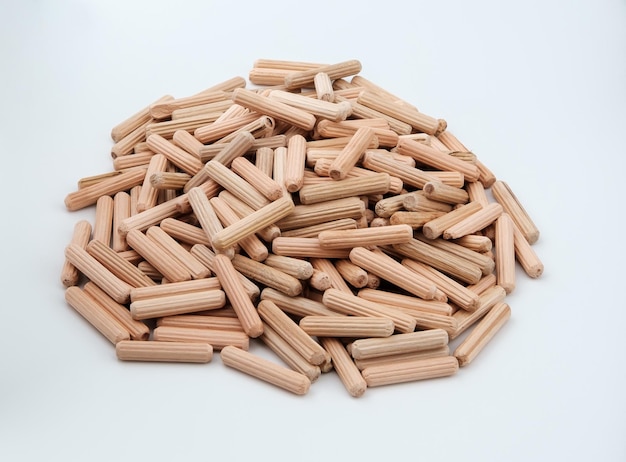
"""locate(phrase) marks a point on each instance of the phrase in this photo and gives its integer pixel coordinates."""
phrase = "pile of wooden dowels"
(313, 210)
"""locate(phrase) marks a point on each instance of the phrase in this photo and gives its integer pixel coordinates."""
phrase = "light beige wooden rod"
(348, 304)
(347, 371)
(96, 272)
(482, 334)
(96, 315)
(218, 339)
(399, 343)
(289, 330)
(409, 371)
(347, 326)
(181, 303)
(175, 352)
(237, 295)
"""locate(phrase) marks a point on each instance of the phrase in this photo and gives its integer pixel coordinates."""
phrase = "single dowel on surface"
(177, 352)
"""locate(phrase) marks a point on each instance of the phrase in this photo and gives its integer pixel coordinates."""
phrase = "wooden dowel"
(180, 303)
(359, 111)
(235, 184)
(265, 370)
(117, 265)
(189, 124)
(409, 371)
(348, 238)
(89, 195)
(474, 242)
(435, 228)
(325, 211)
(251, 244)
(177, 352)
(295, 161)
(456, 292)
(385, 164)
(136, 329)
(169, 180)
(121, 211)
(307, 247)
(351, 153)
(256, 178)
(288, 354)
(399, 343)
(484, 331)
(323, 87)
(298, 268)
(348, 304)
(441, 260)
(322, 168)
(302, 342)
(70, 275)
(373, 184)
(526, 255)
(178, 252)
(103, 222)
(418, 202)
(155, 254)
(443, 193)
(208, 152)
(254, 222)
(268, 233)
(434, 158)
(237, 295)
(485, 263)
(347, 371)
(334, 71)
(148, 194)
(327, 266)
(218, 339)
(510, 204)
(297, 306)
(402, 357)
(323, 109)
(488, 299)
(153, 216)
(164, 109)
(406, 302)
(174, 288)
(185, 140)
(188, 163)
(505, 253)
(117, 289)
(476, 193)
(201, 321)
(208, 219)
(347, 326)
(185, 232)
(314, 230)
(126, 145)
(207, 257)
(475, 222)
(267, 275)
(96, 314)
(138, 119)
(390, 270)
(273, 108)
(418, 120)
(355, 275)
(413, 219)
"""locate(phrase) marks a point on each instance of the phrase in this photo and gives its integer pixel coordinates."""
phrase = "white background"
(536, 89)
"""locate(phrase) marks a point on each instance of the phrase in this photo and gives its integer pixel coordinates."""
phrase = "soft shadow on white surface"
(535, 89)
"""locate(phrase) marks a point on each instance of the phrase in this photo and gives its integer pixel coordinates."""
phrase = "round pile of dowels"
(309, 210)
